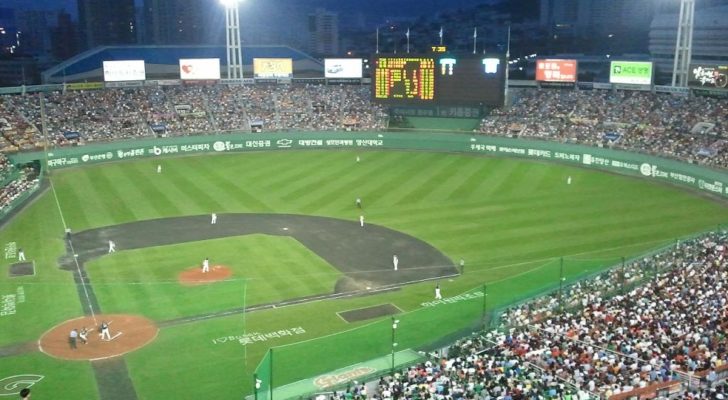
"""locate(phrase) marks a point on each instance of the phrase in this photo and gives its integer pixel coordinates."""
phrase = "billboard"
(343, 68)
(708, 76)
(272, 67)
(553, 70)
(127, 70)
(199, 68)
(631, 72)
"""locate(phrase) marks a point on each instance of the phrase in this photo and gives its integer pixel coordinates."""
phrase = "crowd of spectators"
(689, 128)
(82, 117)
(652, 322)
(26, 180)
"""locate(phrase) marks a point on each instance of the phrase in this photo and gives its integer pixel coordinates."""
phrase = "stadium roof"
(163, 61)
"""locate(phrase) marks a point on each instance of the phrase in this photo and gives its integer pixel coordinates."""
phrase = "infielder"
(21, 255)
(361, 220)
(206, 265)
(358, 202)
(395, 261)
(568, 180)
(438, 295)
(213, 219)
(105, 331)
(112, 247)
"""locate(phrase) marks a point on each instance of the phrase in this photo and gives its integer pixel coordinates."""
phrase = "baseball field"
(292, 267)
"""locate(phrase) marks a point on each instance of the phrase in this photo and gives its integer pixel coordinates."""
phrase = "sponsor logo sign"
(343, 68)
(553, 70)
(199, 69)
(127, 70)
(631, 72)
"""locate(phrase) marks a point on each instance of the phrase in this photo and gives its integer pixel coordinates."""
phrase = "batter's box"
(22, 269)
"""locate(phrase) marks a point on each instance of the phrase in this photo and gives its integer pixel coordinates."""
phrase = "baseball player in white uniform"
(112, 247)
(105, 334)
(395, 261)
(21, 255)
(438, 295)
(358, 159)
(568, 180)
(361, 221)
(206, 265)
(159, 168)
(213, 219)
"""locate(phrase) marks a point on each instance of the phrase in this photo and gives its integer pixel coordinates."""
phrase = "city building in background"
(107, 22)
(709, 38)
(8, 31)
(323, 30)
(176, 21)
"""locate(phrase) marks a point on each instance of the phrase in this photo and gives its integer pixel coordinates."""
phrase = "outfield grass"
(266, 269)
(510, 220)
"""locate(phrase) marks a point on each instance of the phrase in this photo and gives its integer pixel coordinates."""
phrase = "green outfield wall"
(650, 167)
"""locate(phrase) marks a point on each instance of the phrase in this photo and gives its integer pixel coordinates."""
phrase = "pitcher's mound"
(128, 333)
(194, 276)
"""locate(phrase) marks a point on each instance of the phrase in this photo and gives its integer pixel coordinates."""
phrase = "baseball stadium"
(311, 229)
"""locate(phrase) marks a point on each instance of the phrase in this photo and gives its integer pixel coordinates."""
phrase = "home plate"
(115, 336)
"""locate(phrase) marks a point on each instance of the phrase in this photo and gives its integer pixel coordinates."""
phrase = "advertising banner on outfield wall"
(708, 76)
(272, 67)
(649, 167)
(127, 70)
(631, 72)
(343, 68)
(553, 70)
(199, 69)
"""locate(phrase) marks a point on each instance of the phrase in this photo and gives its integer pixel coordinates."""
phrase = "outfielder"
(358, 159)
(21, 255)
(395, 261)
(438, 295)
(213, 219)
(568, 180)
(361, 221)
(206, 265)
(358, 202)
(159, 168)
(112, 247)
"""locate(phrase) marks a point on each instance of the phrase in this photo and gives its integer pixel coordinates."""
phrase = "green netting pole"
(394, 344)
(621, 290)
(561, 285)
(485, 304)
(270, 377)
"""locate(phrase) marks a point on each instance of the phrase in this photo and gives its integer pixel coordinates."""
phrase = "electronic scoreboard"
(404, 78)
(439, 79)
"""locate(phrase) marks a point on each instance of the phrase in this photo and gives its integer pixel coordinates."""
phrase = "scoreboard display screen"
(404, 78)
(441, 79)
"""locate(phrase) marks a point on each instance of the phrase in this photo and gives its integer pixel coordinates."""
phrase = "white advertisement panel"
(125, 70)
(343, 68)
(199, 68)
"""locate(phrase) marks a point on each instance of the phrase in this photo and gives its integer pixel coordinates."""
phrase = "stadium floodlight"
(232, 39)
(229, 3)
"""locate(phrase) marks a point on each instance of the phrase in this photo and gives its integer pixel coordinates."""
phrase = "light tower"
(232, 39)
(684, 45)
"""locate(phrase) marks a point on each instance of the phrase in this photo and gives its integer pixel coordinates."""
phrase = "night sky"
(371, 8)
